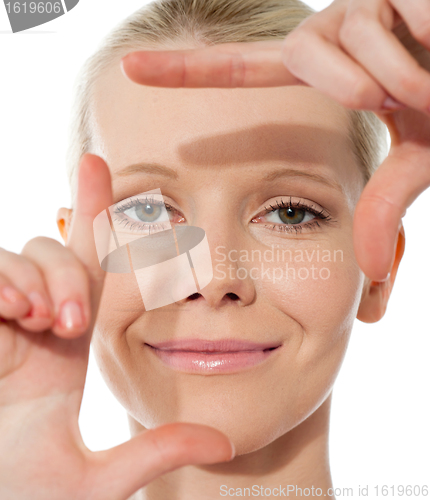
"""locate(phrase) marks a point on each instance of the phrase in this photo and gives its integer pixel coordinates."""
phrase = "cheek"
(311, 308)
(319, 288)
(319, 300)
(121, 301)
(121, 304)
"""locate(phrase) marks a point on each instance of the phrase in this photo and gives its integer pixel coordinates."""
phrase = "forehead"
(132, 123)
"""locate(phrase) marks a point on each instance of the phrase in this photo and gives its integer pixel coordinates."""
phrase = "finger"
(94, 195)
(230, 65)
(13, 303)
(417, 18)
(395, 185)
(67, 283)
(27, 279)
(307, 55)
(314, 46)
(391, 65)
(124, 469)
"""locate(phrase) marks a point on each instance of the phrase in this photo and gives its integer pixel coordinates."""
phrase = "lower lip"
(215, 362)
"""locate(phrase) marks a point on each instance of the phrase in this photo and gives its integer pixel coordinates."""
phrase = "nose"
(224, 292)
(231, 283)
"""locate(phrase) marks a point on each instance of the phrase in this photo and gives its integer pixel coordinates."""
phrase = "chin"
(250, 425)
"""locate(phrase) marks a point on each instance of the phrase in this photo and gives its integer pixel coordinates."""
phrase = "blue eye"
(147, 213)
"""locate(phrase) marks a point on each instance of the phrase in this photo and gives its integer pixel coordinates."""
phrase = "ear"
(374, 298)
(64, 219)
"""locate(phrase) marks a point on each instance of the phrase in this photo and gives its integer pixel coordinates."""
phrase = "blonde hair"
(205, 22)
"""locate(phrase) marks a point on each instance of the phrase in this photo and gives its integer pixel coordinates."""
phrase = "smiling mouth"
(212, 356)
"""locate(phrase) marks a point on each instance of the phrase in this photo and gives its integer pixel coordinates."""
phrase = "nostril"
(194, 296)
(232, 296)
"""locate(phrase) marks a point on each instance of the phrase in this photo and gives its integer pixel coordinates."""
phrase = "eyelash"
(137, 202)
(320, 215)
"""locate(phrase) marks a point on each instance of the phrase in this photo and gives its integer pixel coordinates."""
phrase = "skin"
(44, 353)
(365, 54)
(221, 143)
(43, 375)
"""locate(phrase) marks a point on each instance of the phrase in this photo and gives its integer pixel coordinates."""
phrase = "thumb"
(399, 180)
(119, 472)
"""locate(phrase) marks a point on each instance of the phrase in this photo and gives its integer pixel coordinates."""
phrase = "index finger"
(94, 195)
(227, 65)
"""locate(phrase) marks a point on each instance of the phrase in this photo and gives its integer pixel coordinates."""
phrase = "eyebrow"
(158, 169)
(147, 168)
(291, 172)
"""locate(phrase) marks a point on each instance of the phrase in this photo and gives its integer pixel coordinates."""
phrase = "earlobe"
(375, 295)
(64, 218)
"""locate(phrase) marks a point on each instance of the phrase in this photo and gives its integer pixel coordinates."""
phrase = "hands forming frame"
(365, 54)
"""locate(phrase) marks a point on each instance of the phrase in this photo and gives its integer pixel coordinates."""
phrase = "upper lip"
(224, 345)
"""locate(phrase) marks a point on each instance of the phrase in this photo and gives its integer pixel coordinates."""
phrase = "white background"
(379, 429)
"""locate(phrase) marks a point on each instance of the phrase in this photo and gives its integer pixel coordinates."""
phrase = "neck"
(297, 459)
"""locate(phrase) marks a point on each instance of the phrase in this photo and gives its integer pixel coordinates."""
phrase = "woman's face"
(237, 154)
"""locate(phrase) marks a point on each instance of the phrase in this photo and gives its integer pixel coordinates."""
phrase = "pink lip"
(212, 356)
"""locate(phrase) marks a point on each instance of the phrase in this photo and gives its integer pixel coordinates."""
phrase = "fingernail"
(71, 316)
(40, 308)
(386, 278)
(391, 103)
(11, 295)
(233, 450)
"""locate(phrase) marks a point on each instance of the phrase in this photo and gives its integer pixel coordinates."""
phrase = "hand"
(43, 364)
(362, 53)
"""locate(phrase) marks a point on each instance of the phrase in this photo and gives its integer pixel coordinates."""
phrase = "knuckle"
(70, 274)
(354, 27)
(357, 94)
(18, 264)
(36, 243)
(68, 257)
(237, 71)
(410, 82)
(292, 50)
(52, 251)
(157, 445)
(5, 257)
(421, 30)
(74, 276)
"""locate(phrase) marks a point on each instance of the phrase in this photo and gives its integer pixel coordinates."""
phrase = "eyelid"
(320, 215)
(297, 202)
(121, 207)
(132, 201)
